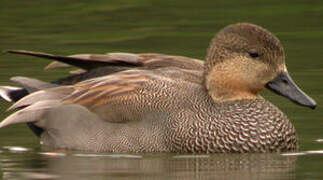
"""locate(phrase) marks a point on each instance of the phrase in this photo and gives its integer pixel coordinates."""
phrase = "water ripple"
(109, 155)
(15, 149)
(303, 153)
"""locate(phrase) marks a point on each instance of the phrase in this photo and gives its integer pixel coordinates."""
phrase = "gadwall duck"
(124, 102)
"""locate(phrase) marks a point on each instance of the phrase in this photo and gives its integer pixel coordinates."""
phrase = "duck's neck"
(225, 84)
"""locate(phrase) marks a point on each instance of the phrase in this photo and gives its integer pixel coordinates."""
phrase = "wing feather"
(99, 91)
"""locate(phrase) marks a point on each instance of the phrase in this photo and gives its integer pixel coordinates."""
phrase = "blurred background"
(182, 27)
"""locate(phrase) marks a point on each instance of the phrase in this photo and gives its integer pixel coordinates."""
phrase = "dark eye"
(253, 54)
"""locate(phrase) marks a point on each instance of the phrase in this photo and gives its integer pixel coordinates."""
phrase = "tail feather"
(32, 85)
(56, 65)
(49, 94)
(12, 94)
(30, 114)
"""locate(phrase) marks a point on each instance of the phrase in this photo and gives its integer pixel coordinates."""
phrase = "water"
(172, 27)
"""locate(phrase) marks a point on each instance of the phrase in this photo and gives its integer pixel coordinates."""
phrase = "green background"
(182, 27)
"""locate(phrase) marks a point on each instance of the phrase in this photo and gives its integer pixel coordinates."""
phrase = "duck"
(144, 103)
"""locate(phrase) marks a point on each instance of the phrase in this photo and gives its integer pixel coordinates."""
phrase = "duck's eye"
(253, 54)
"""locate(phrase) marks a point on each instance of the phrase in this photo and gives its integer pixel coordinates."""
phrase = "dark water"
(168, 26)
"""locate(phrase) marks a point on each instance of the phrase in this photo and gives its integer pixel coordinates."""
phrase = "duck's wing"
(99, 91)
(96, 65)
(84, 61)
(112, 98)
(92, 94)
(92, 61)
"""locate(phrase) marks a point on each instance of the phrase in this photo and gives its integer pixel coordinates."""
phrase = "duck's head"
(242, 60)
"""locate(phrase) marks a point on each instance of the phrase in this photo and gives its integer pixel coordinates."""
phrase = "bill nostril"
(285, 81)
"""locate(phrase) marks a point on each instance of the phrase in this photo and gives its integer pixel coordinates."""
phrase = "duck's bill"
(285, 86)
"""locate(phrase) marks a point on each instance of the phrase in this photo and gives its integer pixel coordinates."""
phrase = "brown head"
(242, 60)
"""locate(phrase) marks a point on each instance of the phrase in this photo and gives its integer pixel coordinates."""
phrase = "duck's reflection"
(165, 166)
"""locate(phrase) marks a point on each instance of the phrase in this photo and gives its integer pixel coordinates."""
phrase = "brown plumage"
(160, 103)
